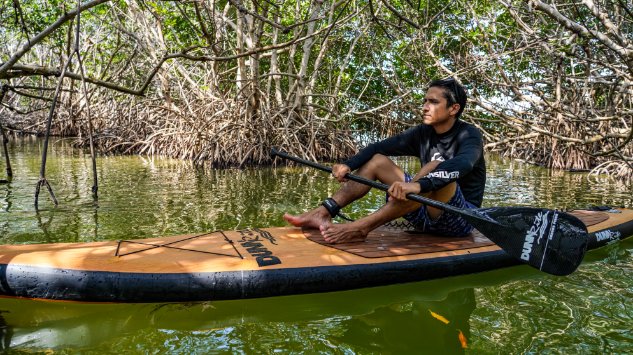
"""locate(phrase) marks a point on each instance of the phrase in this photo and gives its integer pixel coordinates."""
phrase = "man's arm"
(469, 151)
(406, 143)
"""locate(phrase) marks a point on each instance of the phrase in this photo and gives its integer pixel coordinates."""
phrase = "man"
(453, 171)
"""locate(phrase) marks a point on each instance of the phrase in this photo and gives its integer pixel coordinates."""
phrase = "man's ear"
(454, 109)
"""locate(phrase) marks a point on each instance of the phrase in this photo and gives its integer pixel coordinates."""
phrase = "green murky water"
(516, 310)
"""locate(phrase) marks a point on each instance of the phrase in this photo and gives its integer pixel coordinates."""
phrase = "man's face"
(435, 111)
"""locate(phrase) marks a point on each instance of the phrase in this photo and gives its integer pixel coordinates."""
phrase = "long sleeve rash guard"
(460, 151)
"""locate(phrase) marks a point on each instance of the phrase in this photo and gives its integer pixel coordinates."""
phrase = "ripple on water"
(589, 311)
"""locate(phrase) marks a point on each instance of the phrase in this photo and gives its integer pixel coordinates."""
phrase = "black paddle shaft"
(551, 241)
(372, 183)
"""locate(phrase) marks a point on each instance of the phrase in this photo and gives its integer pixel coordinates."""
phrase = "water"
(515, 310)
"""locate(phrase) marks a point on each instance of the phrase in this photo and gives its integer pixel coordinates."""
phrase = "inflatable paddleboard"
(251, 263)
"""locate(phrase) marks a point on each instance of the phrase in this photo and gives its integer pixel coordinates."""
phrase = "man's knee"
(379, 160)
(405, 206)
(380, 167)
(378, 163)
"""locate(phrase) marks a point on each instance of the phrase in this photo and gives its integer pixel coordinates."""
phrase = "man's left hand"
(399, 189)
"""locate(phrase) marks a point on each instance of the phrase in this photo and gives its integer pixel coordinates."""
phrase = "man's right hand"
(339, 171)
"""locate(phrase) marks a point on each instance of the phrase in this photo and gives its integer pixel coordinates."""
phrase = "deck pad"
(386, 241)
(590, 218)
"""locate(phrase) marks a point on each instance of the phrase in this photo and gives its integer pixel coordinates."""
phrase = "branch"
(40, 36)
(20, 70)
(606, 22)
(581, 30)
(382, 106)
(399, 15)
(244, 10)
(27, 70)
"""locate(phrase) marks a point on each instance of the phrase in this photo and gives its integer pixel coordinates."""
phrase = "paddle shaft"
(372, 183)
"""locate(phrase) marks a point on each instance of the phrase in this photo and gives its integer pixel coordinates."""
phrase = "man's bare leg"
(358, 230)
(378, 168)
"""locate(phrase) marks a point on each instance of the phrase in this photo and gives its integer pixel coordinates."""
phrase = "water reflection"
(398, 318)
(6, 332)
(437, 326)
(403, 315)
(516, 183)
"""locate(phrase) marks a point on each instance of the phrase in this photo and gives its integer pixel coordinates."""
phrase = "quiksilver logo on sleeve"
(442, 174)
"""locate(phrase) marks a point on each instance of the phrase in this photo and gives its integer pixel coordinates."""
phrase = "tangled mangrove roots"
(567, 133)
(619, 169)
(208, 130)
(572, 148)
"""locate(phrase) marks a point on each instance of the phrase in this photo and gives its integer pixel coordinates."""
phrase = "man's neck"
(445, 126)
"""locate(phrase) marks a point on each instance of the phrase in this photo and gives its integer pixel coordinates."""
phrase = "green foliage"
(372, 53)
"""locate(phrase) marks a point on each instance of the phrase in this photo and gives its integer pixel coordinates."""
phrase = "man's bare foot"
(342, 233)
(311, 219)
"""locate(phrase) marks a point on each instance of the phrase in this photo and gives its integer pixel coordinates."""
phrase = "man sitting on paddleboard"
(453, 171)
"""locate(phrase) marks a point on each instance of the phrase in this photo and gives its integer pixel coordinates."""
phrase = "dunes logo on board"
(252, 241)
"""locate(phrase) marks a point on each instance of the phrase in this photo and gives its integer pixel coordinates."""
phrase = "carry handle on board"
(552, 241)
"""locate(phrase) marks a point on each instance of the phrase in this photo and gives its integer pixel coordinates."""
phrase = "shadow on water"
(434, 314)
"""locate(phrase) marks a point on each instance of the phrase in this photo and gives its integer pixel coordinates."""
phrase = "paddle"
(551, 241)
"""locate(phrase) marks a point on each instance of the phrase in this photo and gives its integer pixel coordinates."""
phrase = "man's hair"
(454, 93)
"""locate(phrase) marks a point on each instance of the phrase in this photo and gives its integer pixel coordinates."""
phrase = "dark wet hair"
(454, 93)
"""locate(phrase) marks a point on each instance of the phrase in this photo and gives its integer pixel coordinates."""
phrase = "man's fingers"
(395, 191)
(339, 171)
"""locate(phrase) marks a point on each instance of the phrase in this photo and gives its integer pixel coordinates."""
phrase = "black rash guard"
(460, 151)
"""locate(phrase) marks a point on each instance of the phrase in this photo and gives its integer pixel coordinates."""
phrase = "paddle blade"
(551, 241)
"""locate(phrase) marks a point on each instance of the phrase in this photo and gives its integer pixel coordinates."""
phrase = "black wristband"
(331, 206)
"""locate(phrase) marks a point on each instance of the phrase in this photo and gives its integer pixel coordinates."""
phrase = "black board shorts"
(447, 224)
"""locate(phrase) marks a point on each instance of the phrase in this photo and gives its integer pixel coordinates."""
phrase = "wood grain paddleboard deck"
(255, 263)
